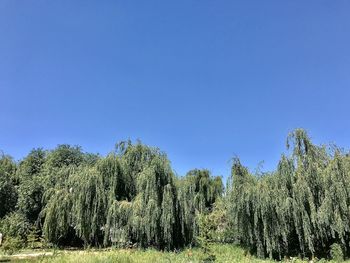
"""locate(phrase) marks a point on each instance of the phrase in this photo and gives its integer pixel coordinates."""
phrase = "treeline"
(129, 198)
(132, 197)
(302, 208)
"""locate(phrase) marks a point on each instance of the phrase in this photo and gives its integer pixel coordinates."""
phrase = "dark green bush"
(8, 191)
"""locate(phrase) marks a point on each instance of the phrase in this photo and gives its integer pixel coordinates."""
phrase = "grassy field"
(223, 253)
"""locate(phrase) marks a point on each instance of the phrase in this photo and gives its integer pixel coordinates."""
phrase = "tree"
(8, 191)
(127, 197)
(300, 208)
(31, 188)
(198, 191)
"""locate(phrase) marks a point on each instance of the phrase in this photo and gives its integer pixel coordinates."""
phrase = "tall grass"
(223, 253)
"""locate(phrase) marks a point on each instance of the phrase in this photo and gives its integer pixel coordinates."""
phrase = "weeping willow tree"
(198, 191)
(132, 198)
(302, 208)
(65, 174)
(148, 213)
(129, 197)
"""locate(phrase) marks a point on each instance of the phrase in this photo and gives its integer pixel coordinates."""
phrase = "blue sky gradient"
(202, 80)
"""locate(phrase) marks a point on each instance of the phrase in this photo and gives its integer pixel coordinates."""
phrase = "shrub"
(12, 245)
(15, 225)
(336, 253)
(205, 237)
(33, 238)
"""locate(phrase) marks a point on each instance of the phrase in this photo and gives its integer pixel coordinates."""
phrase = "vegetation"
(131, 198)
(224, 253)
(302, 208)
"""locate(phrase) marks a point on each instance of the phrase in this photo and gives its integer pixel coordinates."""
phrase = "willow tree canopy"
(127, 197)
(303, 207)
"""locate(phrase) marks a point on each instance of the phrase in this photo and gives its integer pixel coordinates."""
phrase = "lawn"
(223, 253)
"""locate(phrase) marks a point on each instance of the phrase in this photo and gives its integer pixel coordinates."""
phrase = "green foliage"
(12, 245)
(33, 238)
(224, 254)
(149, 217)
(31, 188)
(221, 230)
(198, 191)
(65, 155)
(8, 191)
(125, 198)
(8, 195)
(131, 198)
(58, 216)
(8, 167)
(15, 229)
(119, 225)
(205, 237)
(15, 225)
(32, 164)
(30, 194)
(336, 252)
(303, 207)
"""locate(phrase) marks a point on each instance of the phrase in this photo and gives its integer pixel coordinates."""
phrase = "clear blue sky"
(202, 80)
